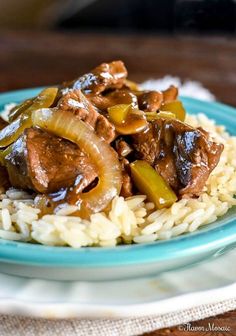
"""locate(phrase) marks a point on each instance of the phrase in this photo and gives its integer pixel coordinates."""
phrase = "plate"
(125, 261)
(206, 283)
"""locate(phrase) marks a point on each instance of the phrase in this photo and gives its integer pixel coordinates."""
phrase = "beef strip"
(170, 94)
(46, 163)
(123, 148)
(102, 102)
(147, 143)
(205, 158)
(150, 101)
(183, 155)
(74, 101)
(127, 185)
(105, 76)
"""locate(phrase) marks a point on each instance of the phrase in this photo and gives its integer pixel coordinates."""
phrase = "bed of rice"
(129, 220)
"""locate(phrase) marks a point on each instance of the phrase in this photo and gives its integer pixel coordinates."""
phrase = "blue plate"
(66, 263)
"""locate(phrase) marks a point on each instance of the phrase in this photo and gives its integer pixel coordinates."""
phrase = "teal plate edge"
(215, 236)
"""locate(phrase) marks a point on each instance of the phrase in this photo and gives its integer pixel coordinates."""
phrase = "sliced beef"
(167, 169)
(170, 94)
(123, 148)
(102, 102)
(46, 163)
(75, 102)
(150, 101)
(147, 143)
(183, 155)
(204, 158)
(105, 76)
(104, 129)
(127, 185)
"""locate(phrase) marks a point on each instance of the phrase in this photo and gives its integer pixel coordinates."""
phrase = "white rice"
(129, 220)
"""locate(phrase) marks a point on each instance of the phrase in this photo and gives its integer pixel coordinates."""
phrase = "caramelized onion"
(70, 127)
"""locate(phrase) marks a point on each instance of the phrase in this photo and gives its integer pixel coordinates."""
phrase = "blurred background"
(47, 41)
(156, 16)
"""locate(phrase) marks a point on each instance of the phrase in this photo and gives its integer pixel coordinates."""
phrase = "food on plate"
(98, 162)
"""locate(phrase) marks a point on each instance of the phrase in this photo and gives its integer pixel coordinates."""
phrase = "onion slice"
(70, 127)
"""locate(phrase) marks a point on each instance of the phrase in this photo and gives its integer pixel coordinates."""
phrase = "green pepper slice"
(149, 182)
(118, 113)
(11, 132)
(17, 110)
(126, 119)
(4, 153)
(175, 107)
(162, 114)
